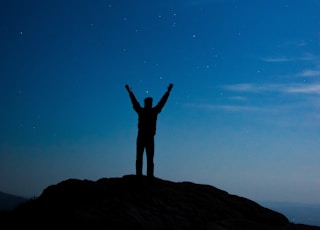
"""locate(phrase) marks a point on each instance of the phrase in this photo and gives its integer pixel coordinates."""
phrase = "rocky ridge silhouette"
(131, 203)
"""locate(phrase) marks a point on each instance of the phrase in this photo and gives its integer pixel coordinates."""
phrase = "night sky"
(243, 114)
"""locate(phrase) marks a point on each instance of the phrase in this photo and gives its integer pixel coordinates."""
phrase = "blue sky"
(243, 114)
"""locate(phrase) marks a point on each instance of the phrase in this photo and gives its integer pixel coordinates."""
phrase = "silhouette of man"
(147, 121)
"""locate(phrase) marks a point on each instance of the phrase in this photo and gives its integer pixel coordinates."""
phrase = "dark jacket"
(147, 117)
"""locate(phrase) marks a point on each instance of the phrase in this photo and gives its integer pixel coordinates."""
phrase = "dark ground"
(132, 203)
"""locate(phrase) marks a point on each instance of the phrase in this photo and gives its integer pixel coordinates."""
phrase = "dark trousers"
(145, 142)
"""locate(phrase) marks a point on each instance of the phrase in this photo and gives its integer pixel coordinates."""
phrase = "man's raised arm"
(134, 101)
(164, 99)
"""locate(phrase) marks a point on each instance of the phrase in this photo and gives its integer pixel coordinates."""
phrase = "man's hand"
(170, 87)
(128, 88)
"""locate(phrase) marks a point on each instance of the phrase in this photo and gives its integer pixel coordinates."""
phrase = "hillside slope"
(132, 203)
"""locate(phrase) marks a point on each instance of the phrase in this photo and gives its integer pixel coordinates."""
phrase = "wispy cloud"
(238, 98)
(301, 43)
(276, 59)
(294, 105)
(251, 88)
(309, 73)
(203, 2)
(281, 88)
(230, 108)
(302, 88)
(244, 87)
(304, 57)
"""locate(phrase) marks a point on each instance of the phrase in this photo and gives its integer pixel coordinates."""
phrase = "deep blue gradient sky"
(243, 115)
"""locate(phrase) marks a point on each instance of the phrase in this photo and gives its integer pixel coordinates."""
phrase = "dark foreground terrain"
(129, 203)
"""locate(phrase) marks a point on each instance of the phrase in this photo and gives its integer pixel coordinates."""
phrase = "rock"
(130, 202)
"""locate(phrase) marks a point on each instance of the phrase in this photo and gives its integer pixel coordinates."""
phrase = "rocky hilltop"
(129, 202)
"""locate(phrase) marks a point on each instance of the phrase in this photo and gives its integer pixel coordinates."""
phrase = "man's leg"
(150, 155)
(139, 156)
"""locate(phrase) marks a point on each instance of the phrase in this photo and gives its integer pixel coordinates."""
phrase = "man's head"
(148, 102)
